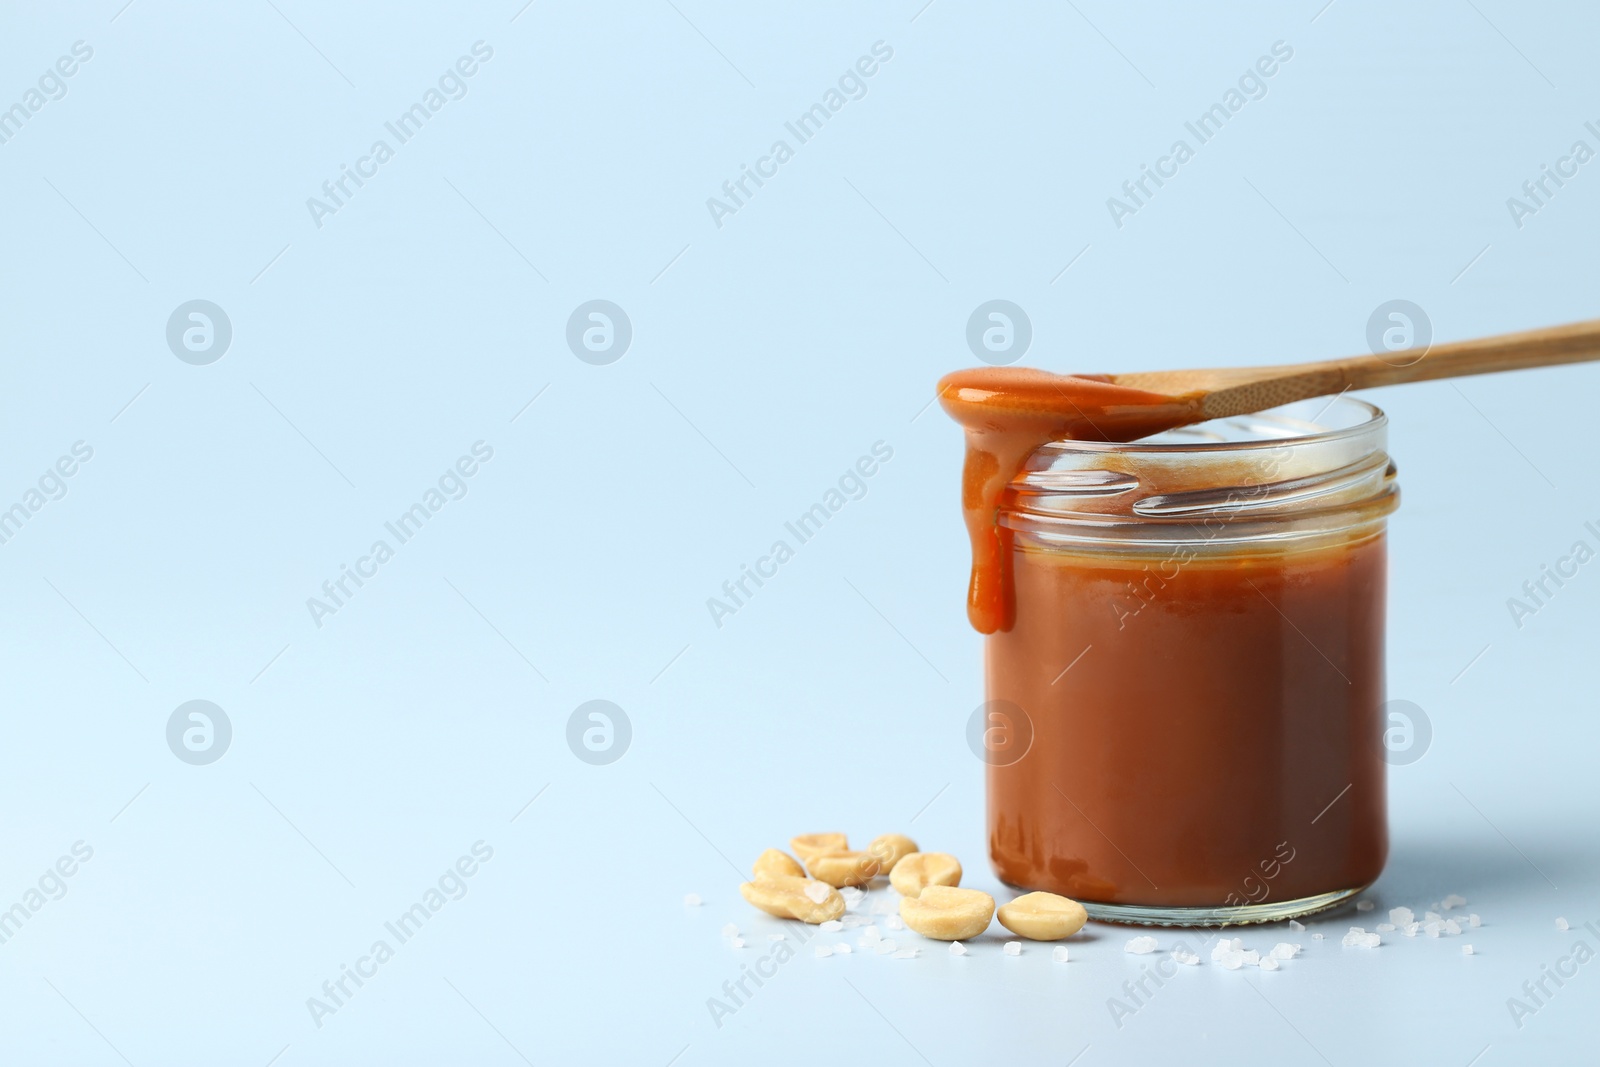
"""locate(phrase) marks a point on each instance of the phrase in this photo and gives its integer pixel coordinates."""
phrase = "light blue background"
(768, 355)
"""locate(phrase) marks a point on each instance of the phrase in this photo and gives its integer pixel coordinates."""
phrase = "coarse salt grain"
(893, 922)
(1411, 928)
(831, 925)
(1316, 937)
(730, 930)
(842, 949)
(1188, 959)
(957, 949)
(691, 900)
(1466, 950)
(1386, 928)
(816, 892)
(886, 946)
(1432, 927)
(1473, 920)
(1013, 948)
(905, 954)
(1401, 916)
(870, 934)
(1284, 951)
(1365, 905)
(824, 951)
(1432, 916)
(1359, 938)
(1453, 901)
(1269, 964)
(1233, 959)
(736, 942)
(1452, 927)
(850, 922)
(1059, 953)
(1297, 926)
(1561, 924)
(1252, 958)
(1140, 945)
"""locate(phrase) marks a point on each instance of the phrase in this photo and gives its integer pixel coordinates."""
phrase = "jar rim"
(1374, 420)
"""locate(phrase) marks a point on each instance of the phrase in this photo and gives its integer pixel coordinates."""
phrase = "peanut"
(786, 897)
(890, 849)
(918, 870)
(772, 861)
(807, 845)
(1043, 916)
(843, 868)
(946, 913)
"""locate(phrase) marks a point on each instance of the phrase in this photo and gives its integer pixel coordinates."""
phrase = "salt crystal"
(1139, 945)
(831, 925)
(1297, 926)
(1188, 959)
(1386, 928)
(870, 934)
(893, 922)
(730, 930)
(957, 949)
(1432, 927)
(1561, 924)
(1359, 938)
(842, 949)
(1365, 905)
(905, 954)
(1401, 916)
(886, 946)
(736, 942)
(1316, 937)
(1433, 916)
(774, 937)
(1013, 948)
(1473, 920)
(1233, 959)
(691, 900)
(1411, 928)
(850, 922)
(850, 893)
(1466, 950)
(816, 892)
(1252, 958)
(1237, 943)
(1452, 927)
(1059, 954)
(1284, 951)
(824, 951)
(1453, 901)
(1220, 949)
(1269, 964)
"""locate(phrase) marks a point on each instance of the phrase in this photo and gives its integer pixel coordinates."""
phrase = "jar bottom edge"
(1233, 915)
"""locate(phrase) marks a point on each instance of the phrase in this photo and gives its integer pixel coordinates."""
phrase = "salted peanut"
(807, 845)
(1043, 916)
(919, 870)
(946, 913)
(890, 849)
(772, 861)
(789, 897)
(843, 868)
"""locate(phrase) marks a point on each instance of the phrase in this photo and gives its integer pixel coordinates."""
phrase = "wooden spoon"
(1239, 390)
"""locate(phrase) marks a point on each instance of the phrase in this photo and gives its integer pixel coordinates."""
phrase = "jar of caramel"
(1186, 708)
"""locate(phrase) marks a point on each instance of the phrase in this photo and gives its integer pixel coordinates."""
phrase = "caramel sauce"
(1008, 413)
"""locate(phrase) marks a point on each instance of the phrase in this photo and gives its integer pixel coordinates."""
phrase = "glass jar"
(1189, 704)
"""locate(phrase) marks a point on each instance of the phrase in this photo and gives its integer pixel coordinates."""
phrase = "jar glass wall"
(1189, 703)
